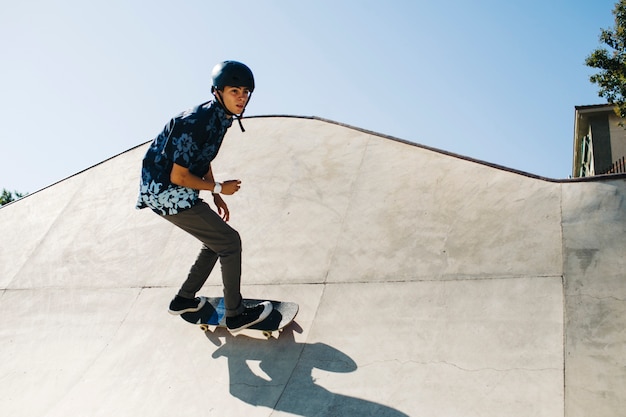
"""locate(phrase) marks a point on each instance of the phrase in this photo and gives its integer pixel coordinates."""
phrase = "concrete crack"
(464, 369)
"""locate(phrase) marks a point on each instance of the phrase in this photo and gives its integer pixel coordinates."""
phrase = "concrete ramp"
(429, 285)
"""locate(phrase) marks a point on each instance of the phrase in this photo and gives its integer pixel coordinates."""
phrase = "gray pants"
(219, 240)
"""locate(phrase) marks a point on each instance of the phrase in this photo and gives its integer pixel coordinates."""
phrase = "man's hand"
(222, 208)
(230, 187)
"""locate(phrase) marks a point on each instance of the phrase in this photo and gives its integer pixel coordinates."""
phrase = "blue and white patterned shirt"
(192, 140)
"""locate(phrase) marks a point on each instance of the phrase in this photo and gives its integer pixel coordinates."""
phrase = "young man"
(177, 166)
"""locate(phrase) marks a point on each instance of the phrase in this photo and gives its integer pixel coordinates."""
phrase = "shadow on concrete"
(278, 374)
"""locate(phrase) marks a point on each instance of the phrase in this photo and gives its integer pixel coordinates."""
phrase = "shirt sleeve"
(181, 147)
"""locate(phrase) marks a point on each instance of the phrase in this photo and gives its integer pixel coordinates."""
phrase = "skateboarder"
(177, 166)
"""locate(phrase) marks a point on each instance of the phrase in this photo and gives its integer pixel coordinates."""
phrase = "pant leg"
(199, 272)
(220, 241)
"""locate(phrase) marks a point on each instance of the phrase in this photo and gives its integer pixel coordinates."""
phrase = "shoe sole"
(266, 312)
(189, 310)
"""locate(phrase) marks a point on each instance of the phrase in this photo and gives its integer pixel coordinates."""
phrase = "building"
(599, 141)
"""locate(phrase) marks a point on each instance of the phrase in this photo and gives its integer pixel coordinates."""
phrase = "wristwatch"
(218, 188)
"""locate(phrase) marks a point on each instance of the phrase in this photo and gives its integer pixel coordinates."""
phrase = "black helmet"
(232, 73)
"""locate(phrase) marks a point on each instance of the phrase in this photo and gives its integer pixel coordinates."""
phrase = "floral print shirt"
(192, 140)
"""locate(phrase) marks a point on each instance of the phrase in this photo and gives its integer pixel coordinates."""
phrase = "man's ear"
(216, 93)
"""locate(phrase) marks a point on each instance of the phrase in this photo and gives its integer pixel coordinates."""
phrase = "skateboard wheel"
(267, 334)
(204, 328)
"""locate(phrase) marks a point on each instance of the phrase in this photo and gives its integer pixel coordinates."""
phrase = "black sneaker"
(180, 305)
(251, 315)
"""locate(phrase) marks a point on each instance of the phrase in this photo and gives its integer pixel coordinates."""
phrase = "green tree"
(8, 196)
(612, 62)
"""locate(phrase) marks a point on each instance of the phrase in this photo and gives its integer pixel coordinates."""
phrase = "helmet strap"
(218, 94)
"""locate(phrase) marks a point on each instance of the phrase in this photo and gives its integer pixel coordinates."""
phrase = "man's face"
(235, 98)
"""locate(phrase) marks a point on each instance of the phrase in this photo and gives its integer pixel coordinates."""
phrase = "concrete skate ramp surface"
(428, 284)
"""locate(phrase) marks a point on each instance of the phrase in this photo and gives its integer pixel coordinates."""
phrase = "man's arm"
(209, 175)
(181, 176)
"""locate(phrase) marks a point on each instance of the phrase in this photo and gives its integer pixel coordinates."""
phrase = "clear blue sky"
(81, 81)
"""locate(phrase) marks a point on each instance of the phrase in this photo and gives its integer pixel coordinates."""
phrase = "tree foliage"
(612, 61)
(8, 196)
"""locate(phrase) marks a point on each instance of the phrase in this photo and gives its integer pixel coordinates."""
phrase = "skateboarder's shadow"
(283, 379)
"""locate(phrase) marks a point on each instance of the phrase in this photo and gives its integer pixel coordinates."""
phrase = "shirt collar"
(219, 110)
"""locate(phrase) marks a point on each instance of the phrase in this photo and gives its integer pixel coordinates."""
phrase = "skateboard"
(213, 314)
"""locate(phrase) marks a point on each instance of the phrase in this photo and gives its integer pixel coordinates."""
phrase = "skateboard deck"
(213, 314)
